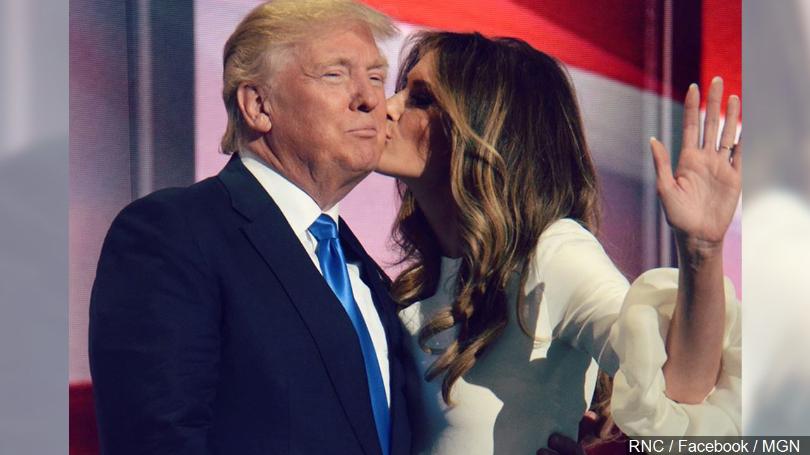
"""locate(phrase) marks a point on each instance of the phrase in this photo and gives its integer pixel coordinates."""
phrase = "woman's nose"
(394, 106)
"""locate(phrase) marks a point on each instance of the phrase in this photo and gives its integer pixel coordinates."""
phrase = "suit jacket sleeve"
(154, 333)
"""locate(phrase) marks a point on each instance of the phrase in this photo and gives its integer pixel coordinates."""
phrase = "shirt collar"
(295, 204)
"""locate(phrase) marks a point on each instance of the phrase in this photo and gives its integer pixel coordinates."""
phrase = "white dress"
(582, 311)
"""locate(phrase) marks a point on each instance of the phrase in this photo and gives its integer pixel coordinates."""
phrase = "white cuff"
(639, 405)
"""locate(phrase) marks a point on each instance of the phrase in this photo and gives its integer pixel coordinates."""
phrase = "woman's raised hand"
(700, 198)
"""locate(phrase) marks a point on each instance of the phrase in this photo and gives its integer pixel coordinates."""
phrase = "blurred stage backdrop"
(146, 113)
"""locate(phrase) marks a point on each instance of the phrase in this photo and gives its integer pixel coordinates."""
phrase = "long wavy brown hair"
(518, 162)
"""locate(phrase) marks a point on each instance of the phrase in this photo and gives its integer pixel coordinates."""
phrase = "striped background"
(631, 62)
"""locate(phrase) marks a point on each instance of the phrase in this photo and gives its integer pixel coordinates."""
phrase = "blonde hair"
(253, 49)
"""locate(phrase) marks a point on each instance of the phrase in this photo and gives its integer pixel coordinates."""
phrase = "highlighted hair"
(518, 162)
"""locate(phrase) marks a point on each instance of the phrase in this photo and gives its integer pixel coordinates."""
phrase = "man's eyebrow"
(338, 61)
(380, 63)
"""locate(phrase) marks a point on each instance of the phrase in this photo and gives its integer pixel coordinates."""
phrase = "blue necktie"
(333, 266)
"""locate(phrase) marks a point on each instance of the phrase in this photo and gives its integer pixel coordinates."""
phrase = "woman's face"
(416, 148)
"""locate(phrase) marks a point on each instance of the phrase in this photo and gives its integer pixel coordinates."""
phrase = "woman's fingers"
(691, 117)
(545, 451)
(736, 157)
(730, 126)
(712, 123)
(564, 445)
(663, 165)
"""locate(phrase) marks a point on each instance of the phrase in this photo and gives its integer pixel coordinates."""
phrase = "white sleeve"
(582, 289)
(639, 404)
(592, 307)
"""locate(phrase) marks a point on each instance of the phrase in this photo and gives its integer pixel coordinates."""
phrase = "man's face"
(327, 103)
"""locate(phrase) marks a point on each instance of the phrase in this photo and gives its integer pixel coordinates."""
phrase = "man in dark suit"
(240, 315)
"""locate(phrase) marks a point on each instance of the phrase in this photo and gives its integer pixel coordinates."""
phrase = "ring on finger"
(730, 148)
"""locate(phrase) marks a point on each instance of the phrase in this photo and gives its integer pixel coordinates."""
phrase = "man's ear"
(252, 104)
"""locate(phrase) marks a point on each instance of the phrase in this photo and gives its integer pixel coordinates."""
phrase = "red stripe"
(605, 37)
(506, 18)
(83, 431)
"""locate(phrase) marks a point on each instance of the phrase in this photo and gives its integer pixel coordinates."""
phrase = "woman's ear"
(252, 105)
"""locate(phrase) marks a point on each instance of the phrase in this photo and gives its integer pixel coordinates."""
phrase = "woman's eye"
(420, 100)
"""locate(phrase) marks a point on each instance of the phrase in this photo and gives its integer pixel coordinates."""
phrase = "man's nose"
(394, 106)
(366, 96)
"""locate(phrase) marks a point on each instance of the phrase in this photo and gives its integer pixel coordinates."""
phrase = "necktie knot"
(324, 228)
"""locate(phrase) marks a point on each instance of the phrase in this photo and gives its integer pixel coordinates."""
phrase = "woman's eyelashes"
(420, 98)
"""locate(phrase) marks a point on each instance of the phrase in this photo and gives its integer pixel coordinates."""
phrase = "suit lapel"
(322, 313)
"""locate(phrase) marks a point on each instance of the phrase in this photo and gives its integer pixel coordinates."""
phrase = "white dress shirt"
(301, 211)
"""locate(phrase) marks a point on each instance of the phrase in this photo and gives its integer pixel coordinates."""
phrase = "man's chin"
(363, 162)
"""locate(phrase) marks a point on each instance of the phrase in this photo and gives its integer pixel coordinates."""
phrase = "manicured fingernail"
(693, 86)
(652, 139)
(717, 79)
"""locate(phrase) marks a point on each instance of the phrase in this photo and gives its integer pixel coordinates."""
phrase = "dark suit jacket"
(211, 332)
